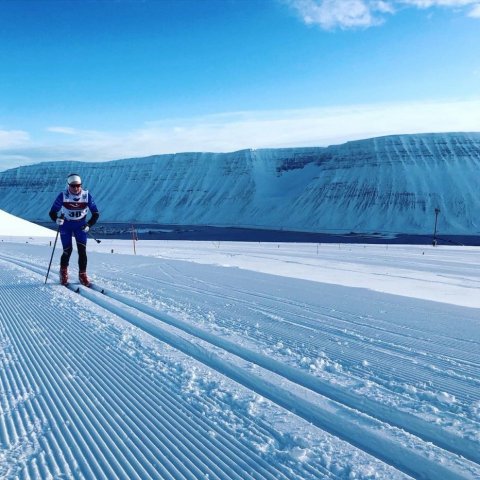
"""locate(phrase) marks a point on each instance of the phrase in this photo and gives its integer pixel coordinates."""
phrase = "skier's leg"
(81, 238)
(65, 258)
(82, 257)
(66, 238)
(82, 264)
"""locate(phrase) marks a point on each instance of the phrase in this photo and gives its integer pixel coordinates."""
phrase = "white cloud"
(475, 11)
(63, 130)
(383, 6)
(330, 14)
(239, 130)
(316, 126)
(438, 3)
(345, 14)
(13, 138)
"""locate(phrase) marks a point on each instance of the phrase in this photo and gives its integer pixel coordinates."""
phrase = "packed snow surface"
(241, 361)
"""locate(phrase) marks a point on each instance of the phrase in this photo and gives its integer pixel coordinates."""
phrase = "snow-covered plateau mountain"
(385, 184)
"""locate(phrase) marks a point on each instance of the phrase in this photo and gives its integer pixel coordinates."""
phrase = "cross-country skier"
(69, 211)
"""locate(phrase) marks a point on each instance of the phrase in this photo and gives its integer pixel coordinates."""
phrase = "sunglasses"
(75, 185)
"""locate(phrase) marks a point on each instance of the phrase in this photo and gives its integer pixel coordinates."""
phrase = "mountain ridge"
(391, 183)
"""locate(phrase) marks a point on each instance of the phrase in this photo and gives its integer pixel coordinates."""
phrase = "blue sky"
(99, 80)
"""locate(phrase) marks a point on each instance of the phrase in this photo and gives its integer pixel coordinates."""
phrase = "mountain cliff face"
(386, 184)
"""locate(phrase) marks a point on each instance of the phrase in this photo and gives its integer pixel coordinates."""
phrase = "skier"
(72, 204)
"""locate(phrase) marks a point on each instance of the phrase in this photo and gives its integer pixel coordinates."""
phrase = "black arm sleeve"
(94, 219)
(53, 215)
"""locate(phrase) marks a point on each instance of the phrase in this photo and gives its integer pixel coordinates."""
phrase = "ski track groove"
(142, 388)
(384, 361)
(121, 406)
(57, 401)
(135, 305)
(407, 366)
(59, 412)
(86, 426)
(112, 472)
(143, 439)
(313, 322)
(148, 311)
(39, 407)
(415, 370)
(58, 462)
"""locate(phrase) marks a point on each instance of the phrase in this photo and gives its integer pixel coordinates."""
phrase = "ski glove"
(86, 228)
(60, 221)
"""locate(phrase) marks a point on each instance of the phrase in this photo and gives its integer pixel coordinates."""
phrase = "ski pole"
(96, 239)
(53, 251)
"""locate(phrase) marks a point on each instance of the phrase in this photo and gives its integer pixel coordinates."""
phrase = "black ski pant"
(82, 257)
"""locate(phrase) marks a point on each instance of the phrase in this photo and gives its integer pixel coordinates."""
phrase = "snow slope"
(387, 184)
(13, 226)
(197, 363)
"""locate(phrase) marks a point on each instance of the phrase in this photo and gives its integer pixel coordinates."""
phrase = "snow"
(12, 226)
(442, 274)
(241, 360)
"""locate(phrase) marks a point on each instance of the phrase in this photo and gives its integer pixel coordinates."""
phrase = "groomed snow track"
(66, 398)
(74, 412)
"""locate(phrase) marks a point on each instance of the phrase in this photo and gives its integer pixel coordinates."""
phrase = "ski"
(97, 288)
(94, 287)
(76, 287)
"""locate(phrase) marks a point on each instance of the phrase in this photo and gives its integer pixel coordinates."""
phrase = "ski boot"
(82, 276)
(64, 275)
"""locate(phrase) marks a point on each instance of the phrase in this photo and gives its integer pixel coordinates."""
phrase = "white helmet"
(74, 178)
